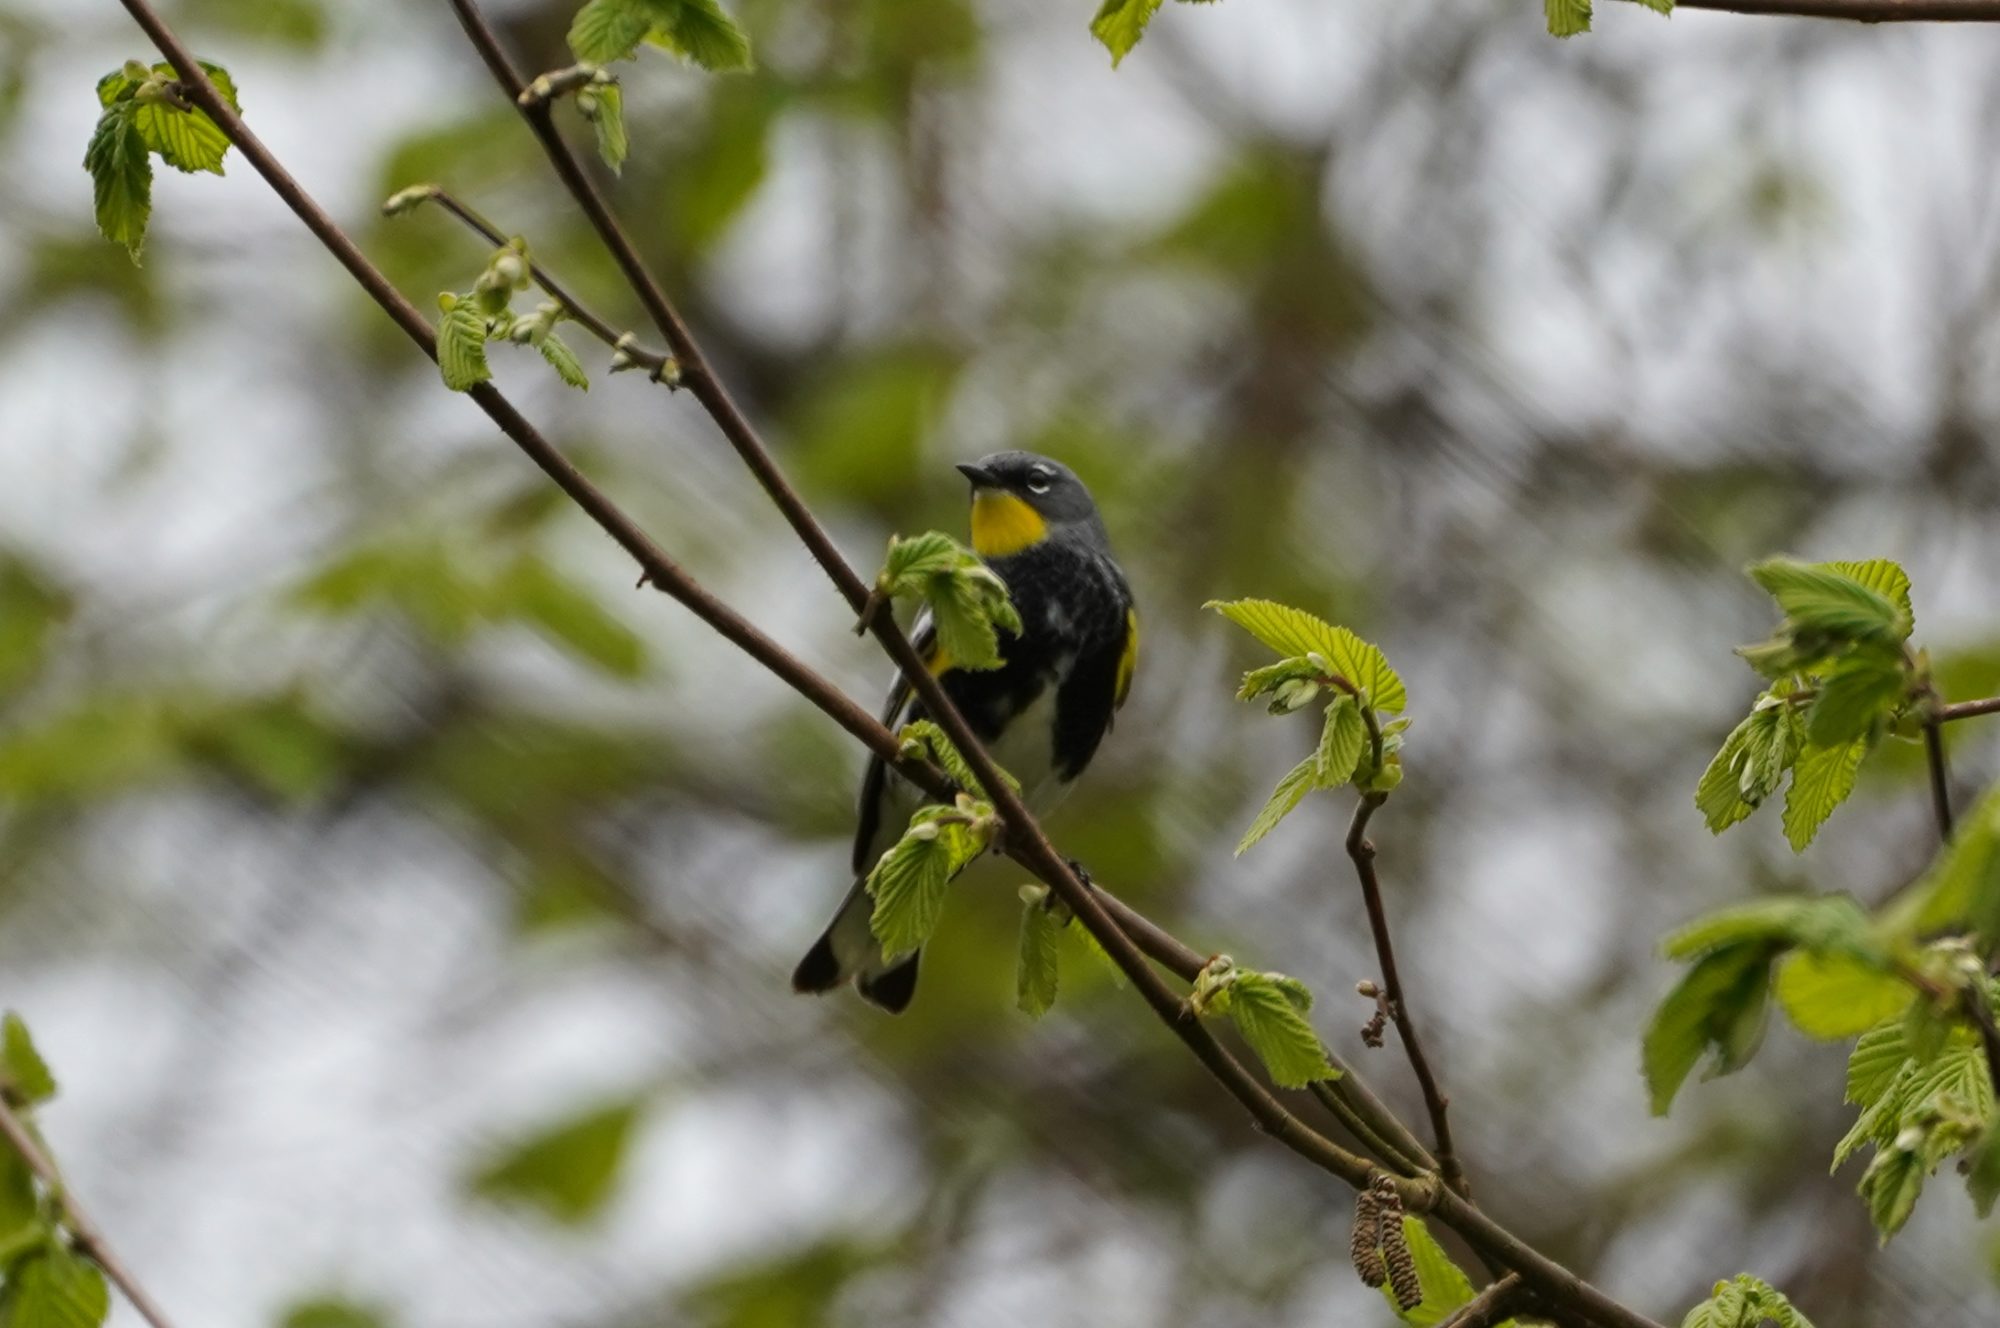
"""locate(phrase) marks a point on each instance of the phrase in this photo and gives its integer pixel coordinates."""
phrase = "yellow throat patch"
(1003, 524)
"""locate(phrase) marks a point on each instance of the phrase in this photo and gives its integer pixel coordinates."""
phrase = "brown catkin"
(1404, 1284)
(1364, 1243)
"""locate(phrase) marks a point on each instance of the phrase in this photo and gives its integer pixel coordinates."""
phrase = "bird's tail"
(847, 950)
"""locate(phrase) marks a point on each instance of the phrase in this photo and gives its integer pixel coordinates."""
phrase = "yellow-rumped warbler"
(1040, 715)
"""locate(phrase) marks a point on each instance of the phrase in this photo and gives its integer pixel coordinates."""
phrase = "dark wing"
(874, 781)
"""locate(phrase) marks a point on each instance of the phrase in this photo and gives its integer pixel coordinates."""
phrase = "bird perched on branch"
(1041, 714)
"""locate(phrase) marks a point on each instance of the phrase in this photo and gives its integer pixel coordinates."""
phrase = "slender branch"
(1489, 1306)
(89, 1240)
(1945, 714)
(1435, 1102)
(1027, 844)
(661, 366)
(1861, 11)
(1940, 777)
(1977, 1006)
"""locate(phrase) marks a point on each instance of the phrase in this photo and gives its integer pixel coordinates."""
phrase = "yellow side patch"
(938, 661)
(1003, 524)
(1128, 662)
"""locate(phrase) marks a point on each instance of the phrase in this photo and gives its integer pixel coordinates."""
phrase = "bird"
(1041, 714)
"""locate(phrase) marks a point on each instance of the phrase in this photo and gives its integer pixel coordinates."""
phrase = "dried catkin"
(1364, 1243)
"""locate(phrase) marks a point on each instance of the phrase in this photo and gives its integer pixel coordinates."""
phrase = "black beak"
(981, 477)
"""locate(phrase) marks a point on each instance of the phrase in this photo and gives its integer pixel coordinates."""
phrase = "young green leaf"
(461, 343)
(1814, 922)
(57, 1289)
(563, 360)
(1719, 795)
(1822, 601)
(1857, 692)
(931, 741)
(1035, 974)
(701, 33)
(608, 30)
(1720, 1004)
(121, 176)
(1267, 1009)
(1566, 18)
(1446, 1288)
(968, 610)
(1834, 997)
(24, 1075)
(1880, 575)
(1120, 24)
(1821, 781)
(1890, 1187)
(1294, 632)
(1982, 1171)
(567, 1171)
(910, 881)
(23, 1226)
(186, 140)
(607, 116)
(1286, 796)
(1340, 743)
(1962, 886)
(1744, 1302)
(913, 559)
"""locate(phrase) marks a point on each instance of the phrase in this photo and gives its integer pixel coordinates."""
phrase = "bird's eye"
(1038, 482)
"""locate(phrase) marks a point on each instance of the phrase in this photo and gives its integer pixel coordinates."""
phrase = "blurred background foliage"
(407, 902)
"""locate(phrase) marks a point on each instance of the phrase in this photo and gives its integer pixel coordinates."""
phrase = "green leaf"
(25, 1074)
(1744, 1302)
(701, 33)
(1120, 24)
(1885, 578)
(1961, 888)
(1820, 600)
(1719, 1003)
(910, 880)
(1815, 922)
(1982, 1172)
(1341, 743)
(56, 1289)
(22, 1223)
(563, 360)
(1860, 690)
(1035, 974)
(534, 592)
(1294, 632)
(1954, 1072)
(333, 1312)
(568, 1171)
(931, 742)
(1874, 1063)
(461, 345)
(968, 609)
(913, 560)
(1445, 1286)
(1266, 1009)
(121, 178)
(608, 118)
(1835, 997)
(1566, 18)
(1286, 796)
(1821, 781)
(1719, 795)
(186, 140)
(1890, 1188)
(608, 30)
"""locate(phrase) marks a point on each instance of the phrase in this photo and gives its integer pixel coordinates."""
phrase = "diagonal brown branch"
(1861, 11)
(89, 1240)
(1435, 1102)
(1487, 1308)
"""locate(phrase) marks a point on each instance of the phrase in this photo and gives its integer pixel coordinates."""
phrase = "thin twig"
(1945, 714)
(1488, 1307)
(1861, 11)
(1940, 778)
(1435, 1102)
(660, 365)
(84, 1233)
